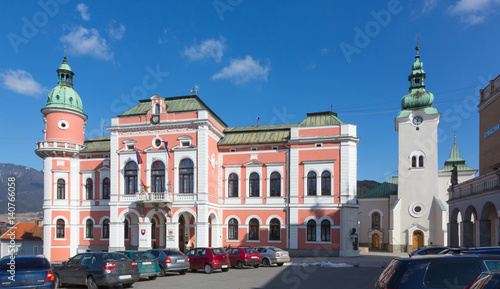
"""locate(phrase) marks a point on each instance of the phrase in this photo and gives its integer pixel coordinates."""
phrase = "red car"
(208, 259)
(240, 257)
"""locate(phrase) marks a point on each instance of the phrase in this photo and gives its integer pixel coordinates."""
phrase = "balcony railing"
(477, 186)
(157, 197)
(58, 145)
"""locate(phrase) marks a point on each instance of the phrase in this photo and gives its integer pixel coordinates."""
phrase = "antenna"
(258, 118)
(331, 107)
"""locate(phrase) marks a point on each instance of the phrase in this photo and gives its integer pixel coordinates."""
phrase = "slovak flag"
(166, 148)
(139, 158)
(146, 188)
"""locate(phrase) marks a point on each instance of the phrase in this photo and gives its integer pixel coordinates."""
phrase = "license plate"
(223, 266)
(180, 261)
(254, 257)
(124, 277)
(146, 263)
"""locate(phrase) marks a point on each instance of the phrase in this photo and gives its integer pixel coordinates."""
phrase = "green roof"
(63, 95)
(174, 104)
(321, 119)
(384, 190)
(97, 144)
(455, 159)
(256, 134)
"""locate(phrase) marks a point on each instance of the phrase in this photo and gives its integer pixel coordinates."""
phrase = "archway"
(158, 224)
(131, 231)
(455, 223)
(469, 227)
(488, 225)
(418, 240)
(375, 241)
(182, 229)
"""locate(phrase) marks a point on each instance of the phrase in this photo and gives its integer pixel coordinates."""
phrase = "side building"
(172, 174)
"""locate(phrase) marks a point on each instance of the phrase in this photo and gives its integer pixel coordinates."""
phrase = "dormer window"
(157, 108)
(130, 147)
(185, 144)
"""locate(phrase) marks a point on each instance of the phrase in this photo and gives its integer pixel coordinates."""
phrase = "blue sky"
(276, 60)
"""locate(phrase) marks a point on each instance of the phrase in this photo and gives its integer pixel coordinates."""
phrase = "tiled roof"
(256, 134)
(384, 190)
(24, 231)
(321, 119)
(457, 160)
(97, 144)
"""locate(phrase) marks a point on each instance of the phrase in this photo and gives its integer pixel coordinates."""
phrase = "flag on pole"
(166, 147)
(139, 158)
(146, 188)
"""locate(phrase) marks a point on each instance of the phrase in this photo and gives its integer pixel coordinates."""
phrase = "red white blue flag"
(166, 147)
(139, 158)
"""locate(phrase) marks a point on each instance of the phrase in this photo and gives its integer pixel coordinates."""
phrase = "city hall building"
(172, 174)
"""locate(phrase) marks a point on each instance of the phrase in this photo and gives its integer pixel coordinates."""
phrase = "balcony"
(45, 148)
(165, 197)
(475, 187)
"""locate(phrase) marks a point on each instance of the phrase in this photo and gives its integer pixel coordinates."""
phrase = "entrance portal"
(418, 240)
(375, 241)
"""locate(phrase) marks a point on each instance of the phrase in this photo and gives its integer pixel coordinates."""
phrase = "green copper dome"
(417, 98)
(63, 95)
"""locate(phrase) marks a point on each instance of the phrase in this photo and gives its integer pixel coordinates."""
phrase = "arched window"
(253, 230)
(421, 161)
(125, 229)
(89, 189)
(61, 189)
(105, 189)
(89, 229)
(153, 229)
(311, 184)
(254, 185)
(105, 229)
(325, 230)
(375, 220)
(186, 170)
(275, 184)
(233, 185)
(232, 232)
(157, 108)
(158, 177)
(326, 183)
(311, 230)
(274, 230)
(413, 161)
(60, 228)
(131, 178)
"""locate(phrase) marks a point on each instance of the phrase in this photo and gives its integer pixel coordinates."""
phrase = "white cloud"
(22, 82)
(116, 31)
(163, 39)
(82, 8)
(241, 71)
(429, 5)
(473, 11)
(210, 48)
(83, 41)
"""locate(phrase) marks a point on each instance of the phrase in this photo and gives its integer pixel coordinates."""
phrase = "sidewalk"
(370, 259)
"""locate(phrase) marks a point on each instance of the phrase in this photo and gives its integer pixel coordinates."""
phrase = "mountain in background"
(365, 186)
(29, 188)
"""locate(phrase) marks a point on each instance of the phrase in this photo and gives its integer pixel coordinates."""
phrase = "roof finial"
(417, 48)
(194, 90)
(64, 52)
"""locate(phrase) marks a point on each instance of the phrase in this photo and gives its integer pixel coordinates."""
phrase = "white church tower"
(418, 197)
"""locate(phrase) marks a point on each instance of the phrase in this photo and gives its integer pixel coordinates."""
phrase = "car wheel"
(162, 272)
(239, 265)
(279, 264)
(225, 269)
(183, 272)
(152, 277)
(127, 285)
(208, 269)
(91, 283)
(266, 262)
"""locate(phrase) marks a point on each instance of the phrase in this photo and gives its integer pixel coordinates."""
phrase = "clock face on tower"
(417, 120)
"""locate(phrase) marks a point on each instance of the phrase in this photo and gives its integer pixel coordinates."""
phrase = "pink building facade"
(172, 174)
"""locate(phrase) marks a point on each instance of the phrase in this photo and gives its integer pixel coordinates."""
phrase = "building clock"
(155, 119)
(417, 120)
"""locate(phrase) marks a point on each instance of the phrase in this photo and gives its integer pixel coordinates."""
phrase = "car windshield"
(218, 251)
(113, 257)
(275, 249)
(248, 250)
(493, 264)
(173, 253)
(25, 263)
(142, 255)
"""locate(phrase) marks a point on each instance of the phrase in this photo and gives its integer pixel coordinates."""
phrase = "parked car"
(435, 271)
(273, 255)
(429, 250)
(29, 272)
(241, 256)
(486, 280)
(472, 250)
(171, 261)
(98, 269)
(208, 259)
(147, 263)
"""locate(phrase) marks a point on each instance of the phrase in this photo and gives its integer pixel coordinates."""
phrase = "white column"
(144, 235)
(48, 187)
(172, 239)
(348, 165)
(116, 236)
(74, 194)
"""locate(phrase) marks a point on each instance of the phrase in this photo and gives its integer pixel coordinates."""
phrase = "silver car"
(273, 255)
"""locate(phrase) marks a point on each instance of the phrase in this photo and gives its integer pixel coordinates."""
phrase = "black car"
(435, 271)
(98, 269)
(26, 272)
(429, 250)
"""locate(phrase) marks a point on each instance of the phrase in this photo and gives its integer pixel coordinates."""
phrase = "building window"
(311, 230)
(157, 108)
(325, 231)
(254, 185)
(421, 161)
(275, 185)
(232, 233)
(186, 170)
(376, 220)
(326, 183)
(61, 189)
(158, 177)
(311, 184)
(274, 230)
(413, 161)
(89, 189)
(89, 229)
(153, 229)
(130, 178)
(233, 185)
(60, 228)
(105, 229)
(105, 189)
(417, 161)
(253, 229)
(125, 229)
